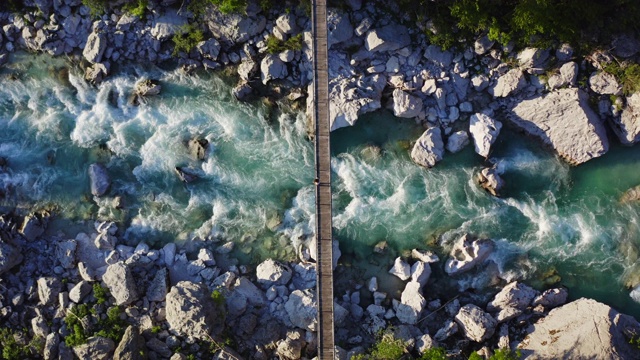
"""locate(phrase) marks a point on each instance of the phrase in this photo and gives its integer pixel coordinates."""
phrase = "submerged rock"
(630, 195)
(429, 148)
(198, 148)
(99, 179)
(186, 175)
(490, 180)
(563, 120)
(147, 87)
(583, 329)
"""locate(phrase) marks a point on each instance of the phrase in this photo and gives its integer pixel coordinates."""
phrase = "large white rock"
(303, 309)
(476, 324)
(232, 29)
(420, 272)
(121, 283)
(583, 329)
(271, 272)
(515, 295)
(95, 47)
(96, 347)
(412, 298)
(400, 269)
(603, 83)
(551, 298)
(484, 131)
(191, 311)
(339, 27)
(48, 289)
(387, 38)
(467, 253)
(272, 68)
(167, 25)
(533, 58)
(350, 97)
(406, 105)
(563, 120)
(287, 23)
(508, 84)
(627, 125)
(439, 57)
(429, 148)
(10, 256)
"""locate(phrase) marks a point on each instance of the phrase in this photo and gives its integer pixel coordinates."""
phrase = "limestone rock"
(33, 226)
(167, 25)
(424, 343)
(339, 27)
(96, 73)
(400, 269)
(429, 148)
(484, 131)
(627, 125)
(508, 84)
(147, 87)
(232, 29)
(490, 180)
(387, 38)
(287, 23)
(563, 120)
(122, 286)
(158, 288)
(582, 329)
(79, 291)
(515, 295)
(476, 324)
(191, 311)
(95, 47)
(551, 298)
(482, 45)
(131, 346)
(99, 179)
(209, 49)
(350, 97)
(406, 105)
(48, 289)
(567, 76)
(198, 148)
(302, 309)
(467, 253)
(457, 141)
(533, 58)
(425, 256)
(96, 348)
(603, 83)
(420, 272)
(271, 272)
(413, 299)
(247, 69)
(272, 68)
(436, 55)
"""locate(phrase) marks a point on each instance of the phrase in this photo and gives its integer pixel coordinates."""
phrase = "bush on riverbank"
(539, 22)
(187, 39)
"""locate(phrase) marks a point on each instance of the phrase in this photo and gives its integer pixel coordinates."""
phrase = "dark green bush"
(435, 353)
(386, 348)
(628, 75)
(275, 45)
(136, 7)
(187, 39)
(100, 293)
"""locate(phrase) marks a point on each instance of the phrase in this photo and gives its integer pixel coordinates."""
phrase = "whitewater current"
(556, 225)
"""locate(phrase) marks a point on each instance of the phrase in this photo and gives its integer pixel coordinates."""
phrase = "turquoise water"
(255, 185)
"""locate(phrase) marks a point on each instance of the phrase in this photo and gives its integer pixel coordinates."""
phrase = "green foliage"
(275, 45)
(217, 297)
(506, 354)
(387, 348)
(111, 327)
(475, 356)
(628, 75)
(199, 7)
(74, 318)
(136, 7)
(100, 293)
(435, 353)
(583, 23)
(156, 329)
(96, 7)
(188, 37)
(12, 349)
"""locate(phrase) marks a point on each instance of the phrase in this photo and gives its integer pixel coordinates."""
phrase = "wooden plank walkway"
(324, 237)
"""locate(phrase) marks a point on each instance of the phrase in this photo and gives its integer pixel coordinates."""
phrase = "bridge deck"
(324, 236)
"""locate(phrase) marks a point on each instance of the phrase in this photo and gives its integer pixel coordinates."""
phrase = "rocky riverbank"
(94, 296)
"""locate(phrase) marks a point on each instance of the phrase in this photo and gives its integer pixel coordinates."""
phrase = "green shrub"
(136, 7)
(100, 293)
(96, 7)
(275, 45)
(188, 37)
(112, 326)
(435, 353)
(506, 354)
(628, 75)
(199, 7)
(77, 335)
(387, 348)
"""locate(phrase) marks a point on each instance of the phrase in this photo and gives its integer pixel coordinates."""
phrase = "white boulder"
(429, 148)
(475, 324)
(484, 131)
(467, 253)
